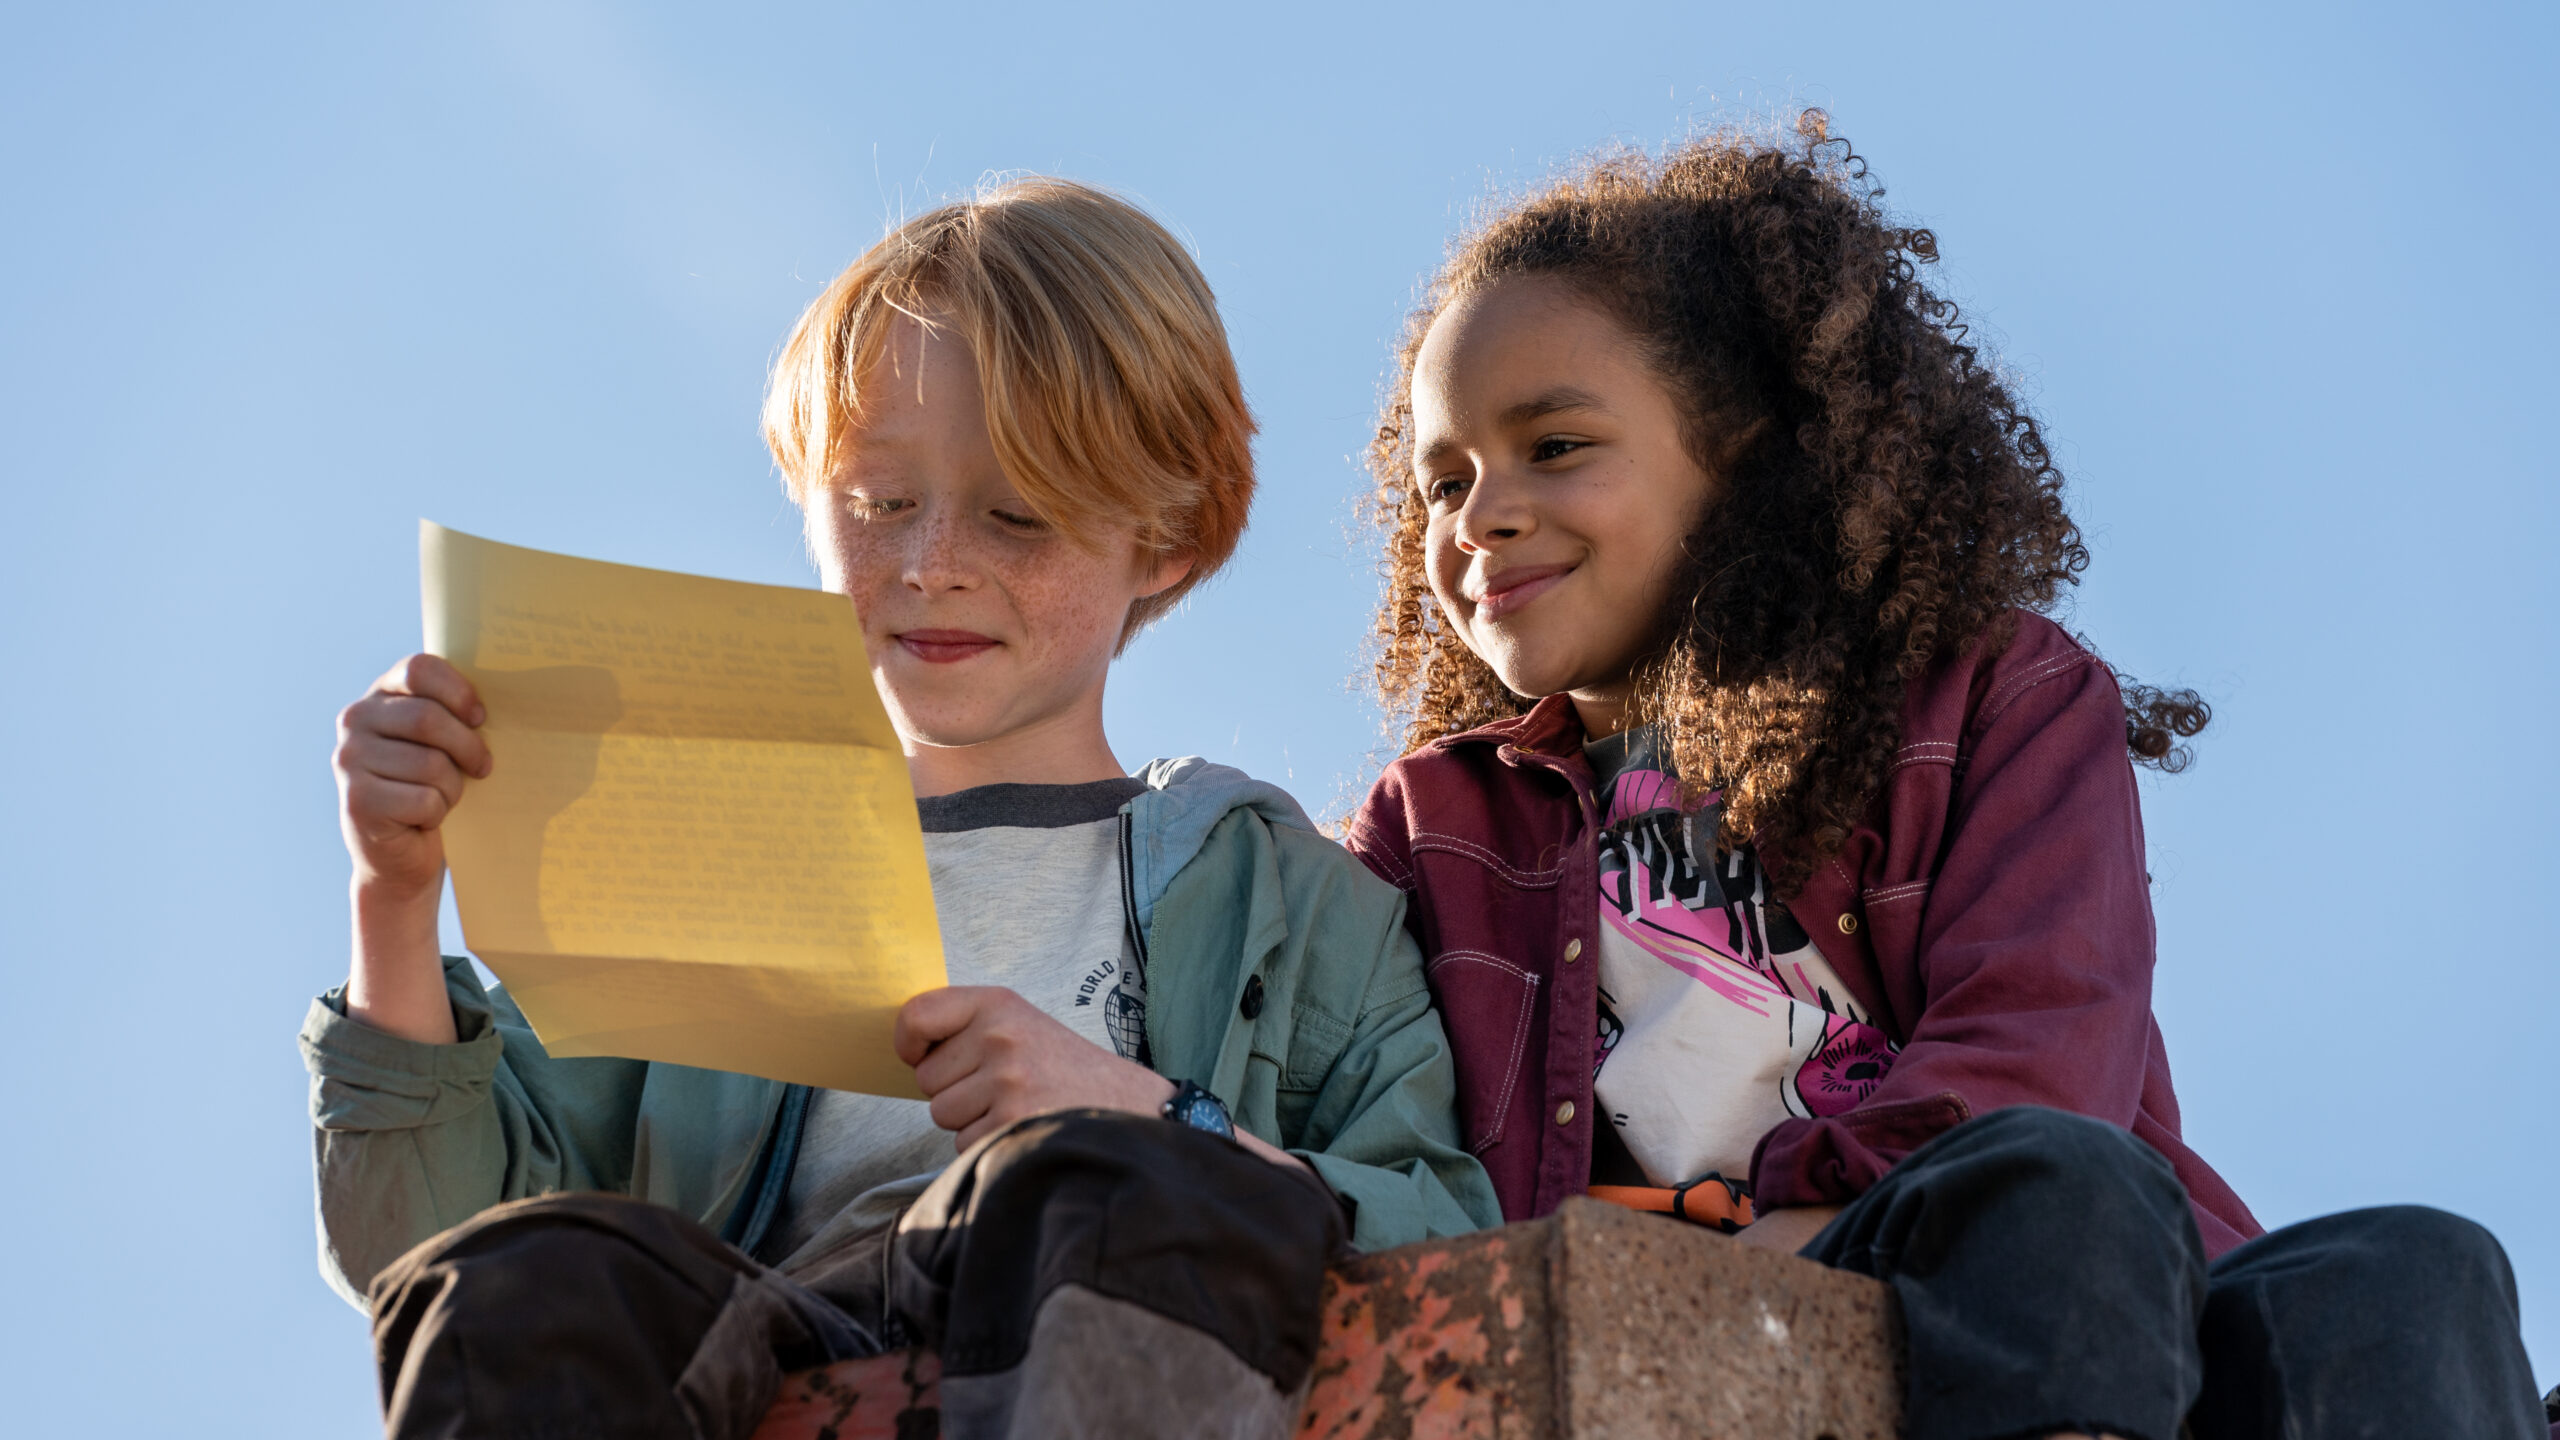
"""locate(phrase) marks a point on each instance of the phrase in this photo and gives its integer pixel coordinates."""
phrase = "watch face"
(1201, 1110)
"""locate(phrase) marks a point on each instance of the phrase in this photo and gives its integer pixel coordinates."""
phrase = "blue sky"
(276, 281)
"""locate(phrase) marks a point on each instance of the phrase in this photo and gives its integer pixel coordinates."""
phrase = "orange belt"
(1707, 1201)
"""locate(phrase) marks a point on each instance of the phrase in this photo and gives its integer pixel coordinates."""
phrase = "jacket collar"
(1184, 800)
(1549, 736)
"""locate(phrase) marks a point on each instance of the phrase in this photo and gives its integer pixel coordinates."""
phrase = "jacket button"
(1848, 924)
(1572, 951)
(1252, 1005)
(1564, 1113)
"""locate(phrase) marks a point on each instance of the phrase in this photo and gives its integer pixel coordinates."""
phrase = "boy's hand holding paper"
(697, 843)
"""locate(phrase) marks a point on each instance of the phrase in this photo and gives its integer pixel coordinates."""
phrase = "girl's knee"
(2044, 1123)
(2419, 1240)
(2425, 1230)
(2066, 1161)
(2076, 1143)
(2408, 1261)
(2051, 1161)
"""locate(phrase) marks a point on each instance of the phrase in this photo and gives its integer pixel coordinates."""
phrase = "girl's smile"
(1559, 488)
(1504, 593)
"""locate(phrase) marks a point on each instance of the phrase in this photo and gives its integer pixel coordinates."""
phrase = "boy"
(1016, 435)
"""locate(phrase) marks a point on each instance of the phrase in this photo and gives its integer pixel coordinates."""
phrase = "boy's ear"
(1159, 573)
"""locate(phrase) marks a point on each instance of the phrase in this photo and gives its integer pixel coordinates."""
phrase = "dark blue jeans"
(2051, 1280)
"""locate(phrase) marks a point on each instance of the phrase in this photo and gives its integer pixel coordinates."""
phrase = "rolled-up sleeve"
(368, 1079)
(408, 1139)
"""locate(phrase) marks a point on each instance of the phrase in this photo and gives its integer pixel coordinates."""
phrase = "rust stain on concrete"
(1428, 1341)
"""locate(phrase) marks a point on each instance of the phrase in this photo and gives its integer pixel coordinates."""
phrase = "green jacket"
(1344, 1065)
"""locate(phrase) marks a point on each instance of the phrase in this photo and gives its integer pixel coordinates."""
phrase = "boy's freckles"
(981, 619)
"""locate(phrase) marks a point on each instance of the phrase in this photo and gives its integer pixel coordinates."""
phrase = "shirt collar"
(1550, 734)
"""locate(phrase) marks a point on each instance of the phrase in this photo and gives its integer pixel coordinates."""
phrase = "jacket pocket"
(1488, 1005)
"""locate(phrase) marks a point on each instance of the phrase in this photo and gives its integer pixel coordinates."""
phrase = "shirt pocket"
(1306, 1043)
(1299, 1048)
(1493, 1001)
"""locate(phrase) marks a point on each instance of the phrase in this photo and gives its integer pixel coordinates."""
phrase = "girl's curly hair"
(1884, 501)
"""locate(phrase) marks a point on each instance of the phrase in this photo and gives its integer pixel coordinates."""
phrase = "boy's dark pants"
(2051, 1280)
(1084, 1273)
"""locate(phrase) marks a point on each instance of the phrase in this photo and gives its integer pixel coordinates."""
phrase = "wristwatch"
(1200, 1110)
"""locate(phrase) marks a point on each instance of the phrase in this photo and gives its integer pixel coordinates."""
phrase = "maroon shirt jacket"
(1993, 916)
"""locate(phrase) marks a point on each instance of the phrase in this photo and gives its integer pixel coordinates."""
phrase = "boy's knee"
(587, 1315)
(1109, 1161)
(1034, 1149)
(1191, 1225)
(1101, 1130)
(1124, 1152)
(552, 1242)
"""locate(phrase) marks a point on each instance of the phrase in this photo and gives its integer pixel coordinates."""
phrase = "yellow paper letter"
(697, 843)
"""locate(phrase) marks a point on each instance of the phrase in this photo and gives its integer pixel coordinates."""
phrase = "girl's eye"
(1013, 521)
(1554, 447)
(874, 507)
(1443, 489)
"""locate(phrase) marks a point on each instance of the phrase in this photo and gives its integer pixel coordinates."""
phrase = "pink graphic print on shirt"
(1843, 1070)
(1716, 924)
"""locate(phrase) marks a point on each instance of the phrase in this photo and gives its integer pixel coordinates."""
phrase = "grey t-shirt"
(1027, 887)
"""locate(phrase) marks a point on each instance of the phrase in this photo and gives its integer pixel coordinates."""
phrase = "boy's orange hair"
(1110, 393)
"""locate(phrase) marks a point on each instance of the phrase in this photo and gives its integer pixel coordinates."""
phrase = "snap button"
(1252, 1005)
(1848, 924)
(1564, 1113)
(1572, 951)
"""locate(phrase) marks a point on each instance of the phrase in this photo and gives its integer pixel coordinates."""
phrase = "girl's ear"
(1158, 573)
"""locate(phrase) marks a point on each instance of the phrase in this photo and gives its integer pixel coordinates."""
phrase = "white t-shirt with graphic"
(1719, 1018)
(1027, 887)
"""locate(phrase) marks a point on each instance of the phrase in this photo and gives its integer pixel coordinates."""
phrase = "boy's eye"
(1554, 447)
(1016, 521)
(873, 507)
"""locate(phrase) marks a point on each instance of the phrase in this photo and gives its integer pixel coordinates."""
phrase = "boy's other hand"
(986, 1057)
(403, 752)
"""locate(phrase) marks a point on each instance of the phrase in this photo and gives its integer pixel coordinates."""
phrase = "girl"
(1762, 831)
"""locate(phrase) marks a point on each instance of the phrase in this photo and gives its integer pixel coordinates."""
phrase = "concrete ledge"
(1666, 1329)
(1595, 1322)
